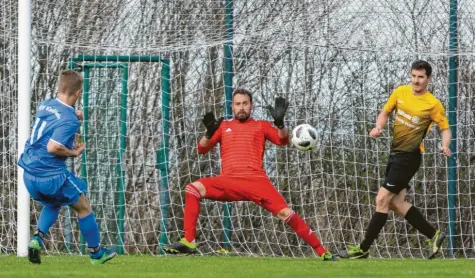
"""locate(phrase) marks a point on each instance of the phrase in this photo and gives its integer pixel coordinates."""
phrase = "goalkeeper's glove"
(278, 112)
(211, 124)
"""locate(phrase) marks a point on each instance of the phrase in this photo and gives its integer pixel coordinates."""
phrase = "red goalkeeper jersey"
(242, 145)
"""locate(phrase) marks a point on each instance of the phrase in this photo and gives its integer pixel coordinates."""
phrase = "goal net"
(335, 61)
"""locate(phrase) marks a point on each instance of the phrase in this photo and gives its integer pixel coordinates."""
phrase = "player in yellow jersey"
(415, 111)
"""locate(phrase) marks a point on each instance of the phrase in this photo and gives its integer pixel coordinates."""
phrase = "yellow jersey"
(414, 116)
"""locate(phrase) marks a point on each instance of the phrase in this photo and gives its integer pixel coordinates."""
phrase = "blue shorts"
(54, 191)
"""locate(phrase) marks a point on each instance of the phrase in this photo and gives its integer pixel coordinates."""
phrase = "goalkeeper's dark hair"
(422, 64)
(242, 91)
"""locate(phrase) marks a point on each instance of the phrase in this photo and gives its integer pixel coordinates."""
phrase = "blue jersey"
(55, 121)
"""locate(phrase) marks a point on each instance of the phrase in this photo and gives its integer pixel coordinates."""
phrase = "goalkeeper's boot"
(353, 252)
(182, 247)
(34, 249)
(327, 256)
(102, 255)
(435, 243)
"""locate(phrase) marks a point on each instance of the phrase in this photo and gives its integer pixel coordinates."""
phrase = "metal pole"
(24, 115)
(84, 173)
(163, 155)
(452, 106)
(122, 158)
(118, 58)
(228, 80)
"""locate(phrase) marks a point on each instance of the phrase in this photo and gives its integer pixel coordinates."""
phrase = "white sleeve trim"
(57, 142)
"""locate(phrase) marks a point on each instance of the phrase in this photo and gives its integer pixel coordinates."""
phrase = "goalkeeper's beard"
(242, 116)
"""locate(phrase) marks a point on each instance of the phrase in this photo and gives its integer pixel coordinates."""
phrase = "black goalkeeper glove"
(211, 124)
(278, 112)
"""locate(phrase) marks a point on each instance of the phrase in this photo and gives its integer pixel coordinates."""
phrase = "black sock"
(375, 226)
(416, 219)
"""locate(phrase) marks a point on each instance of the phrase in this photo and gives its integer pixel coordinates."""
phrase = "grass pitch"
(222, 266)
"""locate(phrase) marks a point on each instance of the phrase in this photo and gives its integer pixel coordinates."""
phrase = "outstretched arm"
(276, 136)
(212, 135)
(281, 137)
(205, 144)
(283, 133)
(278, 112)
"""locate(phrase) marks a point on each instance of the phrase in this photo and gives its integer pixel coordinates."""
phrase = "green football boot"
(327, 256)
(34, 251)
(105, 255)
(181, 247)
(435, 243)
(353, 252)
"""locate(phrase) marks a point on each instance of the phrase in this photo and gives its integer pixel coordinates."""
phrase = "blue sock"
(47, 218)
(89, 229)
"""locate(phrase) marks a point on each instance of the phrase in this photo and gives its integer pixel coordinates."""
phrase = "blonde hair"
(70, 82)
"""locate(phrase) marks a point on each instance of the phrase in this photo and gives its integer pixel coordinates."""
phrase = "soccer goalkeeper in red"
(242, 142)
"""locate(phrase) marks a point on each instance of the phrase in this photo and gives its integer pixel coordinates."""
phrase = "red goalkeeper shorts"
(246, 188)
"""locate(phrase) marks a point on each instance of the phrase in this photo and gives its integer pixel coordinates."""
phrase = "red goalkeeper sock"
(192, 209)
(303, 230)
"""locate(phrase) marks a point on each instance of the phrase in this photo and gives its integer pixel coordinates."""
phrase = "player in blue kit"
(45, 174)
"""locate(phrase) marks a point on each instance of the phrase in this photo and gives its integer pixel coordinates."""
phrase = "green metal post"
(72, 65)
(114, 61)
(452, 106)
(118, 58)
(86, 86)
(163, 154)
(228, 80)
(103, 65)
(121, 158)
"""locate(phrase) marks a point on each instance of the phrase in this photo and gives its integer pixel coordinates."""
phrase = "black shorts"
(400, 170)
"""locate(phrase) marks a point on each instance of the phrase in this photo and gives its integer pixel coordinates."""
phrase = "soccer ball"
(304, 137)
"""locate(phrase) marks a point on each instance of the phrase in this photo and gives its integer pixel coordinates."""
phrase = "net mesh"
(335, 61)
